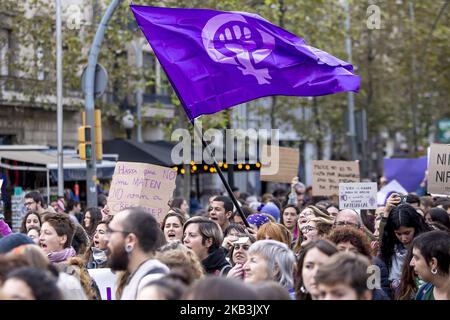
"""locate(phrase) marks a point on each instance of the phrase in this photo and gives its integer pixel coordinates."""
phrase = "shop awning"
(47, 161)
(158, 152)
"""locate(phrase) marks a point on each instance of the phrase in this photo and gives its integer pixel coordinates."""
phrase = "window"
(148, 64)
(5, 46)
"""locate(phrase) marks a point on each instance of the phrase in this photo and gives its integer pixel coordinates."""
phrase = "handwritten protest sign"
(106, 282)
(141, 185)
(359, 195)
(439, 169)
(328, 174)
(286, 168)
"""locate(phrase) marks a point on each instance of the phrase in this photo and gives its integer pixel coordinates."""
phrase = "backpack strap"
(224, 269)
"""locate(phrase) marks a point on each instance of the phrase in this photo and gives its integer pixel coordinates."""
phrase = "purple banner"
(408, 172)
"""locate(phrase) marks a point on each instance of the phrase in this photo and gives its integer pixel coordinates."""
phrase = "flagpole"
(222, 177)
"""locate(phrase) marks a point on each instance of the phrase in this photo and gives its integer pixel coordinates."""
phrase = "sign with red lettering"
(143, 185)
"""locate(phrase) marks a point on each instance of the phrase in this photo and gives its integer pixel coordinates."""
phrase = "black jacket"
(216, 263)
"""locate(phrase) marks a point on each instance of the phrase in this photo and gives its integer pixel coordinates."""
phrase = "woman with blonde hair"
(175, 255)
(316, 228)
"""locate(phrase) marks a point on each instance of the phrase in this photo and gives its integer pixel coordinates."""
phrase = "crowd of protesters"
(287, 245)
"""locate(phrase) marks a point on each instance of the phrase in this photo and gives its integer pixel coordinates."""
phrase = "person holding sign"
(403, 224)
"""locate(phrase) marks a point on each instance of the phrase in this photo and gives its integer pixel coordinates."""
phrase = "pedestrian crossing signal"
(84, 142)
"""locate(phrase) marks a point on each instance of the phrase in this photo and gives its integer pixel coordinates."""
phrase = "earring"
(434, 270)
(128, 248)
(303, 289)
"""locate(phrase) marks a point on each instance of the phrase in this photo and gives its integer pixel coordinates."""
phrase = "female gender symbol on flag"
(215, 60)
(228, 38)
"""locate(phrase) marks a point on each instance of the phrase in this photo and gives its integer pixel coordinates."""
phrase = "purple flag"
(216, 59)
(409, 172)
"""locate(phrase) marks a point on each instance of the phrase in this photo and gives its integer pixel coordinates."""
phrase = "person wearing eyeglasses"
(348, 217)
(34, 202)
(133, 237)
(239, 255)
(317, 228)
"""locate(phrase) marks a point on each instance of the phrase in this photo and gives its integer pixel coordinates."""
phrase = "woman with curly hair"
(175, 255)
(350, 239)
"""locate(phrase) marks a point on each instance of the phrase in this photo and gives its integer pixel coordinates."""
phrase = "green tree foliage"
(404, 65)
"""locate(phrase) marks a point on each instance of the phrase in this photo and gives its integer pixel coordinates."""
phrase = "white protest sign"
(439, 169)
(392, 186)
(141, 185)
(327, 175)
(360, 195)
(106, 282)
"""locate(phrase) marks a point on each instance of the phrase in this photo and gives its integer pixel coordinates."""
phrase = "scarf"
(99, 256)
(61, 256)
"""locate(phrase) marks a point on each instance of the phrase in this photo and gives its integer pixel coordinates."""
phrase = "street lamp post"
(59, 109)
(350, 96)
(91, 167)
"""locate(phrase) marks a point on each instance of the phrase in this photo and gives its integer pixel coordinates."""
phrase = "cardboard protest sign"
(279, 164)
(385, 192)
(359, 195)
(141, 185)
(439, 169)
(106, 282)
(327, 175)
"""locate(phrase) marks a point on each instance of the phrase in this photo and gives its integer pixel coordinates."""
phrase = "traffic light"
(84, 142)
(98, 133)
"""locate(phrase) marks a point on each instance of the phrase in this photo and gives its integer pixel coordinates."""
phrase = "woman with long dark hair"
(92, 217)
(403, 224)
